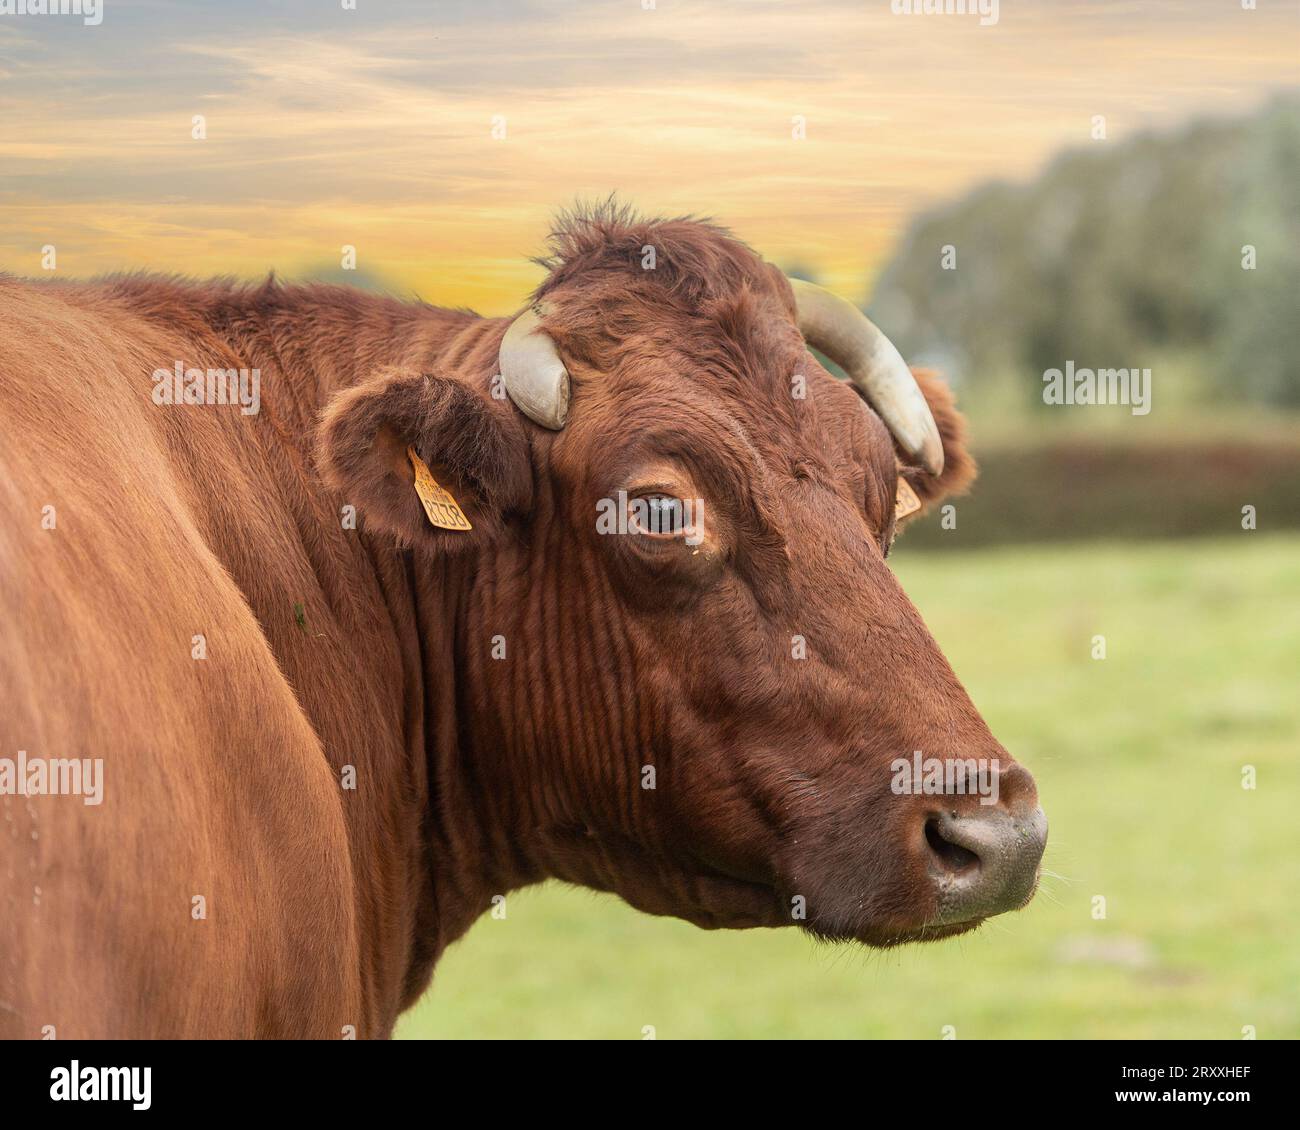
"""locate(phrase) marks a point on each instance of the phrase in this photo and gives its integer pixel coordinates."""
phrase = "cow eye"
(659, 516)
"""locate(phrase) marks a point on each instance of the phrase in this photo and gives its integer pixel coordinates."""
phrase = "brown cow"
(326, 745)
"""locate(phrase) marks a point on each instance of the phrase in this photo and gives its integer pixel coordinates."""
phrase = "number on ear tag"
(441, 509)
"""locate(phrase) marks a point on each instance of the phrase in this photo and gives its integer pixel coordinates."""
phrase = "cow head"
(685, 671)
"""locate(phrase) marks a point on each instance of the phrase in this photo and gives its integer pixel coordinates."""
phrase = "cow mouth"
(887, 937)
(932, 933)
(741, 903)
(707, 895)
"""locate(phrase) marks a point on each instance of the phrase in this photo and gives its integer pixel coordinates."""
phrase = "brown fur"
(475, 774)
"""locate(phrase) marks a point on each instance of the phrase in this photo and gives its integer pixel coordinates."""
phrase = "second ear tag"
(441, 509)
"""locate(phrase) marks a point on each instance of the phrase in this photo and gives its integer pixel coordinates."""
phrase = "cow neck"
(465, 857)
(472, 858)
(336, 339)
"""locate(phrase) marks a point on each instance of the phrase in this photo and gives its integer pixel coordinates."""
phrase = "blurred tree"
(1114, 256)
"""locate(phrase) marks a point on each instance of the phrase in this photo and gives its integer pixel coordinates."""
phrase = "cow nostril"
(955, 858)
(984, 861)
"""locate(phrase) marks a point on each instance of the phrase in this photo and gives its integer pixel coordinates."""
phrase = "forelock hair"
(695, 260)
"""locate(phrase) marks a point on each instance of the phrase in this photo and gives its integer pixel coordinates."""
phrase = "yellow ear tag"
(905, 500)
(442, 510)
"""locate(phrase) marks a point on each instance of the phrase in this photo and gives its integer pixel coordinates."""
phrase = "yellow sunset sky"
(374, 126)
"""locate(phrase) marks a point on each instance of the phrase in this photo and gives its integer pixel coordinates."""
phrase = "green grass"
(1138, 759)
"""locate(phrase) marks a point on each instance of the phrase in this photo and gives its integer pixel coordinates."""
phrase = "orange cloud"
(326, 132)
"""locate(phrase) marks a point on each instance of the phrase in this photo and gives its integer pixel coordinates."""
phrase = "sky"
(439, 138)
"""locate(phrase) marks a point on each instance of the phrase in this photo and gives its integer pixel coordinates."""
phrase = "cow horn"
(850, 339)
(532, 371)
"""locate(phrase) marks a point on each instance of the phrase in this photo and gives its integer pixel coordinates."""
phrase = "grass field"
(1139, 762)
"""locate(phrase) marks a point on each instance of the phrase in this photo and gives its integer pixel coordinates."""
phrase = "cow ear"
(959, 467)
(476, 449)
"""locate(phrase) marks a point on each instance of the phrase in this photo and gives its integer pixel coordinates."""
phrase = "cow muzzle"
(985, 860)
